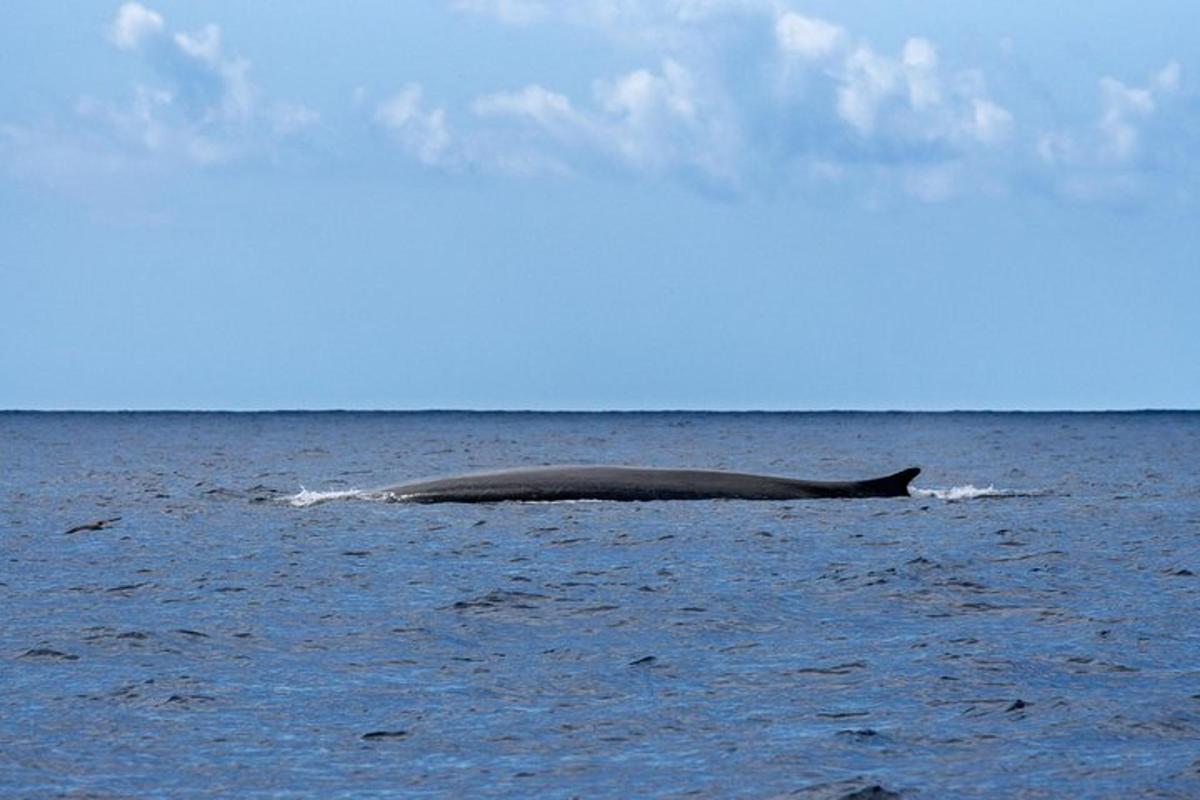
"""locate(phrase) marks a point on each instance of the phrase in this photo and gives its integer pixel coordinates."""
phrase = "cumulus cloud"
(133, 23)
(1115, 138)
(205, 84)
(422, 131)
(1125, 107)
(806, 36)
(646, 114)
(1121, 154)
(204, 93)
(867, 81)
(550, 111)
(989, 122)
(837, 101)
(734, 94)
(896, 99)
(199, 107)
(645, 120)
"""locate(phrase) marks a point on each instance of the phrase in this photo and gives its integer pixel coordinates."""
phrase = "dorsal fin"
(893, 485)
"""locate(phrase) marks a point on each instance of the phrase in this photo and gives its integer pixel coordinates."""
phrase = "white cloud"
(837, 101)
(919, 54)
(870, 107)
(868, 80)
(1168, 78)
(1116, 139)
(1120, 156)
(808, 37)
(738, 93)
(288, 118)
(643, 120)
(548, 109)
(652, 120)
(641, 94)
(133, 24)
(421, 131)
(990, 123)
(1124, 107)
(1057, 147)
(207, 95)
(907, 99)
(920, 65)
(199, 108)
(212, 86)
(204, 45)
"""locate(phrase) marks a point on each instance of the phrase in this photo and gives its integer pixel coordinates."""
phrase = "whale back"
(592, 482)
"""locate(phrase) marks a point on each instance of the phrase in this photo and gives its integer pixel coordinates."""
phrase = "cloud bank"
(732, 96)
(827, 107)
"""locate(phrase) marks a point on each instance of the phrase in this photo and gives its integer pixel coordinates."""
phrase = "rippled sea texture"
(217, 640)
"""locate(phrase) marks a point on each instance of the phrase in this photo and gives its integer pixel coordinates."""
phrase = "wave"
(305, 497)
(969, 492)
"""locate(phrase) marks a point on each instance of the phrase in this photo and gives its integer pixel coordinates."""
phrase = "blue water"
(228, 635)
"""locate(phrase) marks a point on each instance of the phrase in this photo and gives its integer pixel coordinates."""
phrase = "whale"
(635, 484)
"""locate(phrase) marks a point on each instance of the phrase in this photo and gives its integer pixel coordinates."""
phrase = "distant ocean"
(238, 618)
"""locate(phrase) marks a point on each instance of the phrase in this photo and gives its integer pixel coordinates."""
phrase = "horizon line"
(448, 410)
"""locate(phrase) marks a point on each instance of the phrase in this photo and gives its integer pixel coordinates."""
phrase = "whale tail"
(892, 485)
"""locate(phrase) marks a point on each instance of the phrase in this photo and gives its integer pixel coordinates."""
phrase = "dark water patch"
(836, 669)
(128, 589)
(859, 734)
(49, 653)
(187, 701)
(499, 599)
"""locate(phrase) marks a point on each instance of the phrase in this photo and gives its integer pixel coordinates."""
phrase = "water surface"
(1026, 626)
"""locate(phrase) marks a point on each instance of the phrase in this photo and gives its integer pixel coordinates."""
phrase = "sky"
(600, 204)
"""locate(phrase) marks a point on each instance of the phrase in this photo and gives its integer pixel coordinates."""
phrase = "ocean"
(241, 616)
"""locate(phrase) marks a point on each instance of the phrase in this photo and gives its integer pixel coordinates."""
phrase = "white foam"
(969, 492)
(306, 497)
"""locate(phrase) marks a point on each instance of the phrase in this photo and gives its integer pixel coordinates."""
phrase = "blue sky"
(623, 204)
